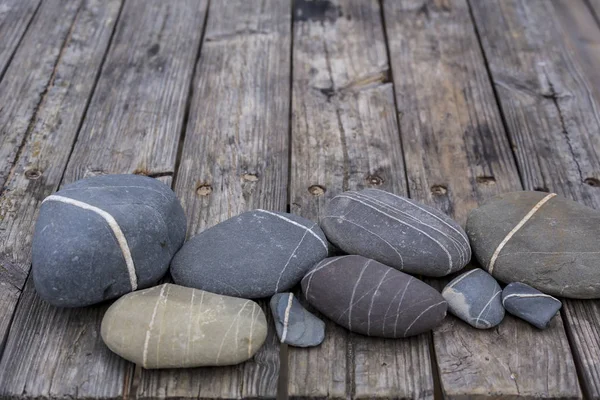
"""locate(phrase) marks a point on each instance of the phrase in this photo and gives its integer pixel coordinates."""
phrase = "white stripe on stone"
(528, 295)
(297, 224)
(114, 226)
(286, 317)
(420, 315)
(485, 307)
(526, 218)
(317, 268)
(459, 279)
(151, 326)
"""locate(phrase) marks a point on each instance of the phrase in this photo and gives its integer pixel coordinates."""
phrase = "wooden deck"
(271, 104)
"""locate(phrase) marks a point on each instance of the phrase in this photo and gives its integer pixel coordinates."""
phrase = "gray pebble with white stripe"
(530, 304)
(255, 254)
(294, 324)
(372, 299)
(476, 298)
(396, 231)
(77, 257)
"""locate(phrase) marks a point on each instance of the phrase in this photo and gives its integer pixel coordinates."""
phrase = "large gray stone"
(373, 299)
(476, 298)
(255, 254)
(102, 237)
(540, 239)
(294, 324)
(170, 326)
(530, 304)
(396, 231)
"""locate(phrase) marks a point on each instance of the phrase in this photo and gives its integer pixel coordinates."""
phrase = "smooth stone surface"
(171, 326)
(255, 254)
(553, 248)
(373, 299)
(77, 257)
(396, 231)
(475, 297)
(530, 304)
(294, 324)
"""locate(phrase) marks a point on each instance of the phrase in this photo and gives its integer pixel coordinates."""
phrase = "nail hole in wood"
(375, 180)
(593, 182)
(316, 190)
(486, 180)
(33, 174)
(204, 190)
(541, 189)
(439, 190)
(250, 177)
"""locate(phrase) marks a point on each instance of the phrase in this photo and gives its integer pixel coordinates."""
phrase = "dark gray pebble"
(530, 304)
(294, 324)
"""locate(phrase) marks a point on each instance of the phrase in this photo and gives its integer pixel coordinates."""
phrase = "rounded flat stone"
(475, 297)
(372, 299)
(396, 231)
(294, 324)
(171, 326)
(540, 239)
(255, 254)
(102, 237)
(530, 304)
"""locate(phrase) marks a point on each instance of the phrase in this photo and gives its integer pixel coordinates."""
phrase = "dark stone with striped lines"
(476, 298)
(373, 299)
(530, 304)
(541, 239)
(294, 324)
(253, 255)
(396, 231)
(101, 237)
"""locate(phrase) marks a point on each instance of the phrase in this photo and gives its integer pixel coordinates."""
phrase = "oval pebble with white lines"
(530, 304)
(102, 237)
(372, 299)
(171, 326)
(255, 254)
(396, 231)
(476, 298)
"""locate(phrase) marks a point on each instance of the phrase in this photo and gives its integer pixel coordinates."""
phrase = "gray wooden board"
(546, 91)
(139, 102)
(51, 132)
(15, 16)
(457, 155)
(345, 137)
(235, 158)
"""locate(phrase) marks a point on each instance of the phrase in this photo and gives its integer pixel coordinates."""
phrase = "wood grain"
(235, 158)
(457, 155)
(546, 88)
(345, 137)
(15, 16)
(51, 133)
(54, 352)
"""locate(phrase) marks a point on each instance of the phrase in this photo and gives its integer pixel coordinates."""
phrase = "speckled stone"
(396, 231)
(540, 239)
(171, 326)
(530, 304)
(475, 297)
(294, 324)
(373, 299)
(102, 237)
(255, 254)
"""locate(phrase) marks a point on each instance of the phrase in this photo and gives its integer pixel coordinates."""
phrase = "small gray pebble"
(475, 298)
(294, 324)
(530, 304)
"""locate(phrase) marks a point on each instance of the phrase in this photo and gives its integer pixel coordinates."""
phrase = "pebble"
(540, 239)
(530, 304)
(255, 254)
(102, 237)
(396, 231)
(372, 299)
(475, 297)
(171, 326)
(294, 324)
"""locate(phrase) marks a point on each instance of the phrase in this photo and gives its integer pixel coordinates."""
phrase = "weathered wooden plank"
(546, 90)
(235, 158)
(457, 155)
(139, 101)
(15, 16)
(594, 6)
(54, 124)
(345, 137)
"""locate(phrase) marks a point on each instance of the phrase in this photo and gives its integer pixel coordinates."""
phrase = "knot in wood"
(439, 190)
(204, 190)
(593, 182)
(375, 180)
(33, 174)
(316, 190)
